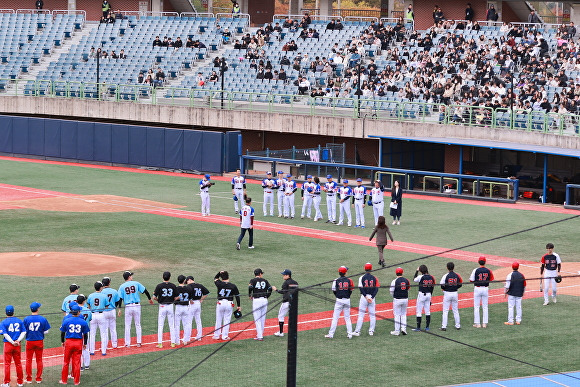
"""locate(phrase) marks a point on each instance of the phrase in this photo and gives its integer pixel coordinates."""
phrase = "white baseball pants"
(268, 199)
(423, 304)
(345, 209)
(85, 357)
(480, 297)
(289, 205)
(99, 322)
(517, 302)
(316, 201)
(342, 305)
(166, 312)
(331, 207)
(378, 210)
(132, 312)
(450, 299)
(284, 308)
(111, 318)
(363, 306)
(182, 318)
(281, 203)
(400, 312)
(359, 212)
(204, 202)
(259, 309)
(223, 317)
(549, 281)
(195, 314)
(307, 206)
(239, 193)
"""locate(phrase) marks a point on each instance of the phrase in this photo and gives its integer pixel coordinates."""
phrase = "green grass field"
(199, 248)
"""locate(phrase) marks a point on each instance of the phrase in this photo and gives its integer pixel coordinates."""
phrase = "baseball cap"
(34, 306)
(258, 272)
(106, 281)
(98, 285)
(268, 173)
(74, 287)
(359, 179)
(74, 307)
(286, 272)
(329, 176)
(81, 298)
(207, 177)
(127, 274)
(368, 266)
(289, 175)
(309, 177)
(345, 181)
(515, 266)
(189, 277)
(280, 172)
(482, 258)
(9, 310)
(71, 304)
(399, 270)
(342, 269)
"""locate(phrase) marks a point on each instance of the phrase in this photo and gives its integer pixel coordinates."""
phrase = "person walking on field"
(381, 230)
(396, 203)
(246, 224)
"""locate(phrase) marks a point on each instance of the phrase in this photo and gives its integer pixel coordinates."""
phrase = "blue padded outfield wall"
(120, 144)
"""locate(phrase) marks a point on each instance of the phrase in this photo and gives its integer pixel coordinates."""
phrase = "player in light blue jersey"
(110, 311)
(74, 292)
(87, 315)
(98, 302)
(129, 294)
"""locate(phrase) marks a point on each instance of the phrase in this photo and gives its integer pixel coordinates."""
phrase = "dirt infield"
(62, 264)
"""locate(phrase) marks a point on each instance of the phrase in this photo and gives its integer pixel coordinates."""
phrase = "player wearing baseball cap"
(36, 327)
(269, 186)
(400, 291)
(75, 331)
(280, 193)
(204, 186)
(87, 315)
(359, 197)
(246, 224)
(342, 288)
(238, 189)
(259, 290)
(74, 291)
(316, 199)
(13, 330)
(289, 189)
(289, 286)
(426, 286)
(182, 315)
(331, 189)
(550, 263)
(199, 293)
(450, 283)
(226, 291)
(129, 292)
(344, 195)
(98, 301)
(515, 286)
(166, 294)
(110, 311)
(377, 199)
(307, 197)
(368, 285)
(480, 277)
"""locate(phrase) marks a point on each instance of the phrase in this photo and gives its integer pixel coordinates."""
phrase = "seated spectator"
(122, 54)
(338, 25)
(213, 77)
(226, 36)
(200, 80)
(119, 15)
(284, 61)
(141, 78)
(178, 43)
(260, 73)
(268, 75)
(216, 62)
(282, 75)
(330, 26)
(237, 45)
(288, 23)
(157, 42)
(159, 77)
(253, 65)
(189, 43)
(303, 85)
(114, 55)
(148, 80)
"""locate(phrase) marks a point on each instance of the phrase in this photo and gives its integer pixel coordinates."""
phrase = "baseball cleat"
(82, 369)
(92, 354)
(309, 217)
(86, 369)
(404, 333)
(355, 334)
(484, 325)
(349, 335)
(458, 328)
(226, 338)
(339, 224)
(508, 323)
(279, 334)
(362, 226)
(476, 325)
(316, 219)
(546, 303)
(258, 338)
(443, 329)
(302, 217)
(291, 217)
(215, 338)
(104, 354)
(250, 247)
(59, 382)
(427, 329)
(198, 338)
(138, 345)
(237, 246)
(416, 330)
(173, 345)
(371, 333)
(394, 222)
(285, 217)
(398, 222)
(356, 226)
(328, 336)
(159, 345)
(279, 216)
(554, 300)
(328, 221)
(518, 323)
(349, 225)
(394, 333)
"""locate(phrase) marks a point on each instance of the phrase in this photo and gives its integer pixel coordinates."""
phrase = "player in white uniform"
(316, 199)
(111, 311)
(98, 302)
(426, 286)
(280, 193)
(166, 294)
(259, 290)
(342, 288)
(450, 283)
(269, 186)
(550, 269)
(331, 189)
(400, 291)
(87, 316)
(238, 190)
(200, 292)
(480, 277)
(246, 224)
(344, 194)
(289, 189)
(359, 197)
(307, 197)
(369, 286)
(182, 313)
(377, 199)
(204, 185)
(129, 294)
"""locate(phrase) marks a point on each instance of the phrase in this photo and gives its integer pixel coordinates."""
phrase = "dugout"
(543, 171)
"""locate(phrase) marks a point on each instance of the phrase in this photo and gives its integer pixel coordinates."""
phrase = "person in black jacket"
(515, 286)
(469, 12)
(396, 203)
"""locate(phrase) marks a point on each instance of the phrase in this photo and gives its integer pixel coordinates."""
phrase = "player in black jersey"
(288, 288)
(182, 315)
(166, 294)
(226, 291)
(426, 285)
(199, 293)
(259, 290)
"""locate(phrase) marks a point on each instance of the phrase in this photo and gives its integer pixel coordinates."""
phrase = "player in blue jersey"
(74, 291)
(13, 330)
(75, 330)
(36, 327)
(98, 302)
(246, 224)
(204, 185)
(129, 294)
(110, 311)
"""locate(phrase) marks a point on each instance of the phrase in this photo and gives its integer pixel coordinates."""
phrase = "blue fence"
(572, 196)
(120, 144)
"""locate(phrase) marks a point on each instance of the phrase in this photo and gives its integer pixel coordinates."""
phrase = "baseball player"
(288, 288)
(36, 327)
(280, 193)
(344, 195)
(359, 197)
(166, 294)
(110, 311)
(199, 294)
(182, 314)
(342, 288)
(289, 189)
(550, 269)
(238, 189)
(400, 291)
(259, 290)
(269, 186)
(331, 189)
(87, 315)
(368, 285)
(480, 277)
(14, 332)
(98, 301)
(204, 186)
(246, 224)
(426, 286)
(377, 199)
(515, 286)
(450, 283)
(226, 291)
(307, 197)
(316, 199)
(74, 291)
(129, 294)
(75, 330)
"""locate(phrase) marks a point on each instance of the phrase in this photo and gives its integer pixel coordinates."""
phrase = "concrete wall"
(268, 122)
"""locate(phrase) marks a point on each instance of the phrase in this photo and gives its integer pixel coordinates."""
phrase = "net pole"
(292, 341)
